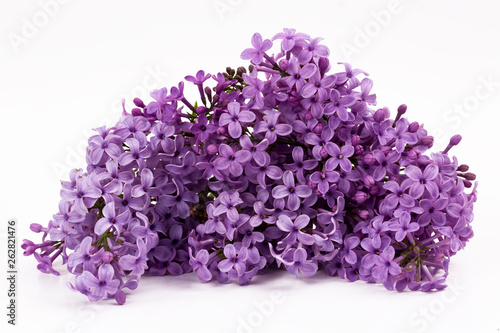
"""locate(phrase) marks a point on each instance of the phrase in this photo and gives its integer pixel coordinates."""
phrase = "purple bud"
(136, 112)
(467, 183)
(221, 131)
(283, 64)
(427, 141)
(138, 102)
(468, 175)
(359, 150)
(355, 140)
(323, 65)
(463, 168)
(373, 190)
(413, 127)
(402, 109)
(379, 116)
(360, 197)
(455, 140)
(412, 154)
(323, 153)
(364, 214)
(106, 257)
(369, 159)
(201, 109)
(318, 129)
(308, 115)
(212, 149)
(35, 227)
(208, 92)
(368, 180)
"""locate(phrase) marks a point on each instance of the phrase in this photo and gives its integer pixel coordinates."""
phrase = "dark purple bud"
(360, 197)
(413, 127)
(201, 109)
(318, 129)
(463, 168)
(308, 115)
(455, 140)
(428, 141)
(402, 109)
(467, 183)
(355, 140)
(369, 159)
(106, 257)
(359, 150)
(208, 92)
(216, 98)
(283, 63)
(136, 112)
(368, 180)
(373, 190)
(323, 65)
(139, 103)
(468, 175)
(364, 214)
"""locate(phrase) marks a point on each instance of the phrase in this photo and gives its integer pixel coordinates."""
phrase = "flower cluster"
(284, 165)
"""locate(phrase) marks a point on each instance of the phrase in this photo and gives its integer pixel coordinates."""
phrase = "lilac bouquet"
(285, 165)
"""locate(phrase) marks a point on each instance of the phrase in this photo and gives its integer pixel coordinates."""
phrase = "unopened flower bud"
(379, 116)
(427, 141)
(208, 92)
(413, 127)
(359, 150)
(106, 257)
(318, 129)
(35, 227)
(455, 140)
(463, 168)
(368, 180)
(323, 153)
(360, 197)
(139, 103)
(212, 149)
(136, 112)
(373, 190)
(412, 155)
(308, 115)
(283, 63)
(201, 109)
(221, 131)
(355, 140)
(323, 65)
(369, 159)
(364, 214)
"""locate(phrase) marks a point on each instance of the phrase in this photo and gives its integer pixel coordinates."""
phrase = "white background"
(68, 75)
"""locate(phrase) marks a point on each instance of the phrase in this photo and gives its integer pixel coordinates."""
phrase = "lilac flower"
(298, 75)
(433, 212)
(136, 153)
(227, 204)
(84, 196)
(420, 181)
(199, 264)
(386, 164)
(300, 165)
(339, 105)
(403, 227)
(271, 128)
(339, 156)
(256, 53)
(102, 285)
(385, 266)
(291, 191)
(397, 196)
(401, 135)
(324, 179)
(258, 151)
(231, 160)
(234, 259)
(316, 83)
(111, 219)
(135, 263)
(300, 263)
(289, 37)
(285, 224)
(180, 201)
(234, 117)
